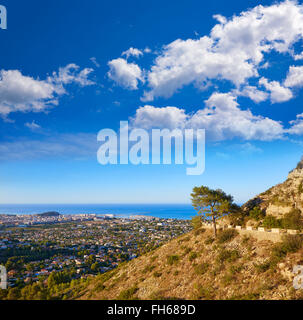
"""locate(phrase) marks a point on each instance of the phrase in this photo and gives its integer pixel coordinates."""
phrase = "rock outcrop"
(281, 198)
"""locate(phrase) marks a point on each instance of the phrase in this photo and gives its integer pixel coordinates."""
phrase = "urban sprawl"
(33, 247)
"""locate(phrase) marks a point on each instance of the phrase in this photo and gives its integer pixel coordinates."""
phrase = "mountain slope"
(195, 266)
(282, 198)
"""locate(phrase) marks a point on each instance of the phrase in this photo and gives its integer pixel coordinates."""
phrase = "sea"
(164, 211)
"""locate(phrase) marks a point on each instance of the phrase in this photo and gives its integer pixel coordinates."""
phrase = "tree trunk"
(215, 227)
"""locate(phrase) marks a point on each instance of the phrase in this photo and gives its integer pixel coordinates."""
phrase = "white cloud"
(125, 74)
(147, 50)
(233, 51)
(133, 52)
(222, 118)
(296, 125)
(95, 62)
(150, 117)
(26, 94)
(294, 77)
(32, 125)
(71, 74)
(278, 93)
(253, 93)
(220, 18)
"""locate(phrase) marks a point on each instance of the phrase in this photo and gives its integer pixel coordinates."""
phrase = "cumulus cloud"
(253, 93)
(222, 118)
(150, 117)
(278, 93)
(70, 74)
(294, 77)
(296, 125)
(132, 52)
(234, 51)
(125, 74)
(26, 94)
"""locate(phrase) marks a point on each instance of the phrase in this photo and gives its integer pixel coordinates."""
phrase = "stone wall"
(274, 235)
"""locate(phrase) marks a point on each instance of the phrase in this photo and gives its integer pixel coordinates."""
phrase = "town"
(34, 247)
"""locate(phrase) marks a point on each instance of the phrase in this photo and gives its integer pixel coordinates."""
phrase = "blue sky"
(70, 70)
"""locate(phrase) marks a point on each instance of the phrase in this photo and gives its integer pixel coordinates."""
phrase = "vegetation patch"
(128, 294)
(157, 274)
(149, 268)
(193, 256)
(227, 235)
(209, 240)
(201, 268)
(173, 259)
(262, 267)
(228, 255)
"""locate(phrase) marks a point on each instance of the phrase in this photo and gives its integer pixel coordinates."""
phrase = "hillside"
(195, 266)
(281, 198)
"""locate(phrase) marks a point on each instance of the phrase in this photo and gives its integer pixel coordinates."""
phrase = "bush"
(262, 267)
(187, 250)
(193, 256)
(272, 222)
(172, 259)
(205, 293)
(149, 268)
(256, 213)
(234, 269)
(227, 279)
(99, 287)
(157, 274)
(226, 235)
(202, 268)
(292, 220)
(127, 294)
(209, 240)
(288, 245)
(228, 255)
(199, 231)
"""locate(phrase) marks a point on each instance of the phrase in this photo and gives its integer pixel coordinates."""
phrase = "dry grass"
(195, 267)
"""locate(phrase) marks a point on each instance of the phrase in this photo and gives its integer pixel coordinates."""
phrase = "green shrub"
(262, 267)
(193, 256)
(149, 268)
(201, 268)
(209, 240)
(99, 287)
(153, 258)
(235, 269)
(228, 255)
(289, 244)
(157, 274)
(272, 222)
(205, 293)
(128, 294)
(226, 235)
(199, 231)
(187, 250)
(173, 259)
(292, 220)
(256, 213)
(227, 279)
